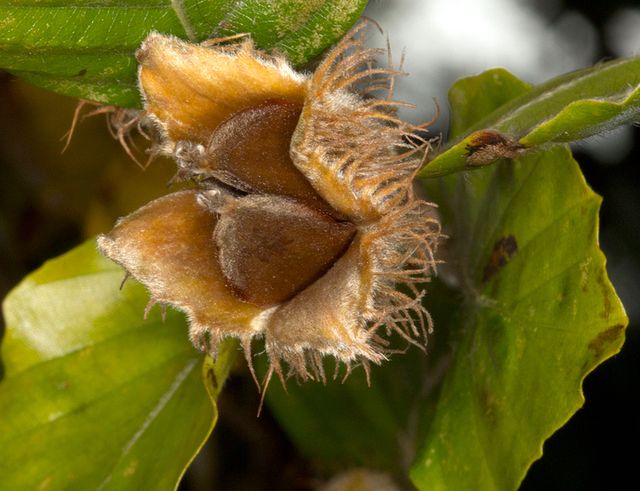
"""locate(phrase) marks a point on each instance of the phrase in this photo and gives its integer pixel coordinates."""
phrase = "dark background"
(50, 203)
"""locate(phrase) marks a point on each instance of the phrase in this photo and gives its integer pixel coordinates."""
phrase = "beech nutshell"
(302, 227)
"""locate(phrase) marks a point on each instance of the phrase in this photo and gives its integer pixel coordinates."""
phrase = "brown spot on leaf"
(489, 404)
(81, 73)
(503, 250)
(213, 380)
(606, 295)
(603, 340)
(487, 145)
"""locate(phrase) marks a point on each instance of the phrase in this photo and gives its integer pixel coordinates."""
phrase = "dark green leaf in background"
(95, 397)
(534, 314)
(85, 48)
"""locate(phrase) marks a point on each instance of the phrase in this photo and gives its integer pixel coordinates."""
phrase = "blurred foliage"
(51, 200)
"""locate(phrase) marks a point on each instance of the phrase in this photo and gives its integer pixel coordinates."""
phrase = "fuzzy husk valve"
(303, 222)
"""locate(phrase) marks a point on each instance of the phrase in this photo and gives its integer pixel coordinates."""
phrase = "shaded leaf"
(534, 313)
(94, 397)
(574, 106)
(86, 49)
(344, 424)
(351, 424)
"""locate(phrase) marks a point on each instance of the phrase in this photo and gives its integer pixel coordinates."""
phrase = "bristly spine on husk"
(370, 152)
(361, 159)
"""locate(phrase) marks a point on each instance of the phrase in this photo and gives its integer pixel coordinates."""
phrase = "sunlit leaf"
(95, 397)
(567, 108)
(86, 49)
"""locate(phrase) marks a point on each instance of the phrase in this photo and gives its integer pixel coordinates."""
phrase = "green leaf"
(533, 312)
(95, 397)
(571, 107)
(86, 48)
(539, 313)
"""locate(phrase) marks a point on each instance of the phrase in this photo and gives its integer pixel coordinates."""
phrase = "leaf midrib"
(162, 402)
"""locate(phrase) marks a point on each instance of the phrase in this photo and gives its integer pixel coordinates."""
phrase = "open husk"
(302, 228)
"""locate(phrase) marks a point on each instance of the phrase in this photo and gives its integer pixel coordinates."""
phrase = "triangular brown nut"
(250, 151)
(271, 247)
